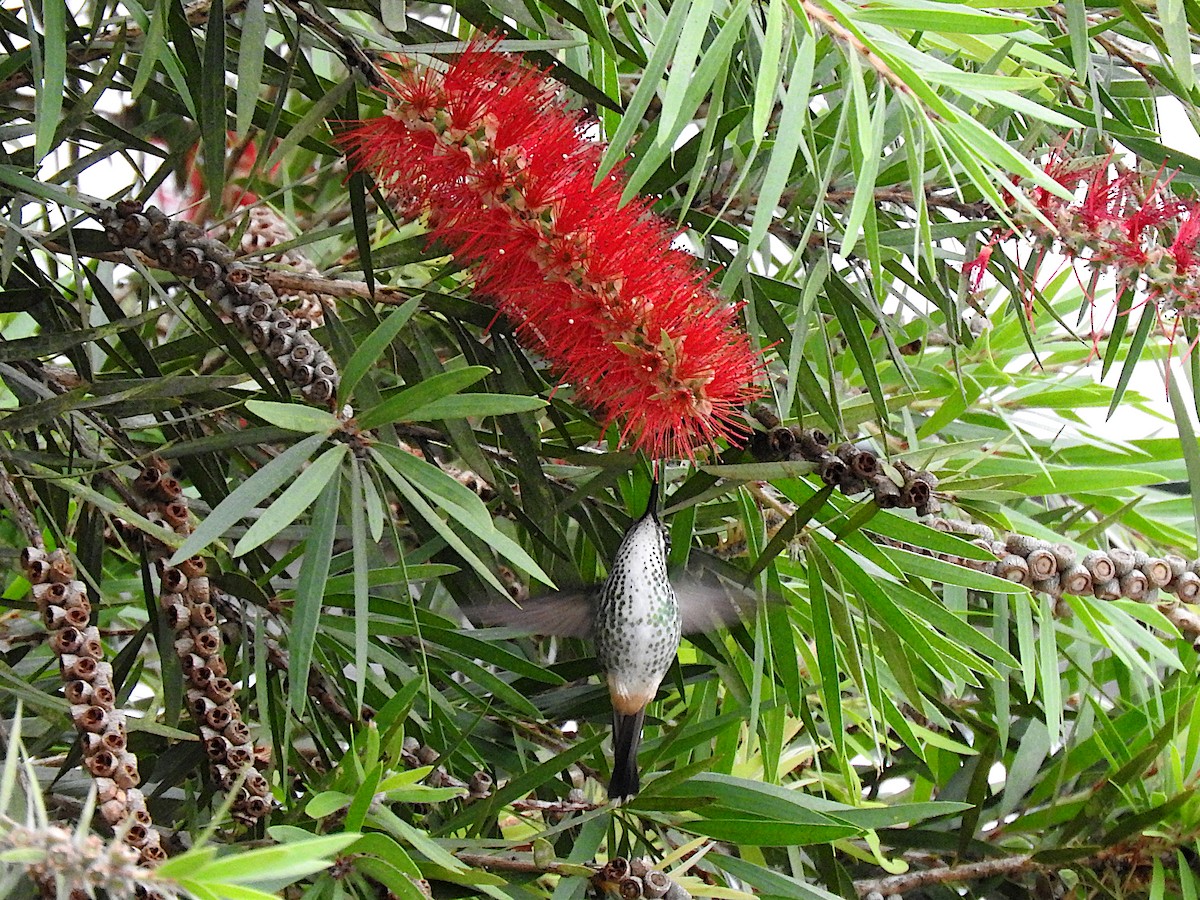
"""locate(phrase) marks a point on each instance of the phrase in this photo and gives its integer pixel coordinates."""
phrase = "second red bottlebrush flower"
(506, 176)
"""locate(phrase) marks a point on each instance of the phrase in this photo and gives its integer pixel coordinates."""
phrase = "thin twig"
(24, 519)
(517, 864)
(905, 197)
(354, 56)
(1110, 45)
(976, 871)
(838, 31)
(104, 43)
(284, 282)
(553, 806)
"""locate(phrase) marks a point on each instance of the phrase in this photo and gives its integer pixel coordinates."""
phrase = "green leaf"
(247, 496)
(310, 592)
(1178, 34)
(792, 122)
(757, 832)
(48, 98)
(770, 882)
(933, 17)
(250, 62)
(213, 127)
(295, 501)
(362, 598)
(326, 803)
(1188, 446)
(418, 505)
(948, 573)
(287, 862)
(460, 406)
(683, 65)
(53, 343)
(1134, 354)
(767, 82)
(295, 416)
(399, 406)
(312, 117)
(373, 347)
(664, 50)
(462, 505)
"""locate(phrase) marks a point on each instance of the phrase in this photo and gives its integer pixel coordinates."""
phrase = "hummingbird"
(635, 620)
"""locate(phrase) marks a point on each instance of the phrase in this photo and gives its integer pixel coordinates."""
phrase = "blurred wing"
(714, 594)
(562, 614)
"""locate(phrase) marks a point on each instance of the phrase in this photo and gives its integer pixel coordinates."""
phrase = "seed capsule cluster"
(852, 469)
(88, 686)
(631, 879)
(86, 865)
(1055, 569)
(267, 229)
(415, 754)
(188, 604)
(185, 250)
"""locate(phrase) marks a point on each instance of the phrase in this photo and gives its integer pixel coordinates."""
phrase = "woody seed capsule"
(1049, 586)
(37, 572)
(1100, 565)
(1042, 563)
(319, 390)
(114, 741)
(199, 590)
(1013, 568)
(1020, 544)
(102, 764)
(237, 732)
(239, 755)
(1064, 555)
(102, 695)
(1123, 561)
(1134, 584)
(256, 784)
(78, 616)
(1158, 571)
(256, 807)
(78, 667)
(1187, 587)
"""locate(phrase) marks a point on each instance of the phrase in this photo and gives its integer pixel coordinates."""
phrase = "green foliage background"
(838, 161)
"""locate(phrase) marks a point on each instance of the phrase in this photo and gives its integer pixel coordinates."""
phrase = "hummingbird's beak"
(652, 503)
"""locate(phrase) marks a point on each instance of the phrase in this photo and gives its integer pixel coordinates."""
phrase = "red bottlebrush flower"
(1105, 199)
(974, 269)
(506, 176)
(1184, 246)
(1154, 212)
(1063, 170)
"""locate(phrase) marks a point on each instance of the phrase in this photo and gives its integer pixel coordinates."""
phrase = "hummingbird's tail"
(627, 737)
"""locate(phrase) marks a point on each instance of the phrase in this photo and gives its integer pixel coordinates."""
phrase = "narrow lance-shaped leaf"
(295, 501)
(248, 495)
(48, 99)
(399, 406)
(310, 593)
(373, 346)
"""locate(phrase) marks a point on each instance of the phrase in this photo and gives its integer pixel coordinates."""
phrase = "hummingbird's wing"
(713, 594)
(561, 614)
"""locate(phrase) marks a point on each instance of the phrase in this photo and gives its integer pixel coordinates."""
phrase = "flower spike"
(509, 181)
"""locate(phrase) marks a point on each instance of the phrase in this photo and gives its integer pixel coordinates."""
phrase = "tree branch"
(282, 281)
(976, 871)
(24, 519)
(839, 32)
(102, 45)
